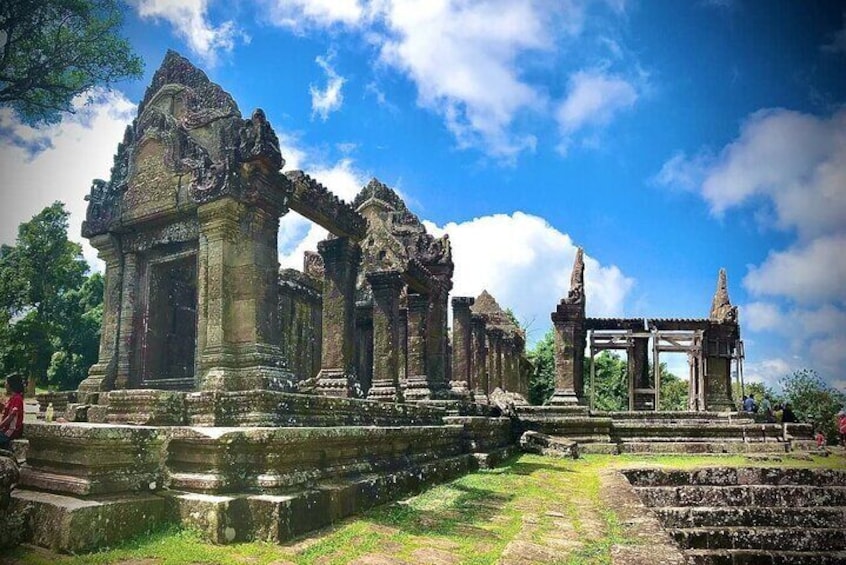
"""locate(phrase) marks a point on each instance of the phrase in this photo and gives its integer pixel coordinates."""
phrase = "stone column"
(462, 380)
(568, 320)
(238, 322)
(101, 375)
(495, 355)
(638, 373)
(719, 346)
(436, 327)
(478, 354)
(417, 383)
(340, 263)
(127, 334)
(403, 348)
(386, 287)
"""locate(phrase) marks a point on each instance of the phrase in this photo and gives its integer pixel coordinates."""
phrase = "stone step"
(698, 439)
(743, 495)
(599, 449)
(715, 516)
(574, 410)
(758, 557)
(768, 538)
(726, 476)
(702, 447)
(722, 429)
(586, 438)
(683, 421)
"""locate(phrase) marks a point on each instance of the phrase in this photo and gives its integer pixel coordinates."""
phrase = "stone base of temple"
(417, 388)
(337, 382)
(258, 377)
(459, 389)
(564, 398)
(384, 391)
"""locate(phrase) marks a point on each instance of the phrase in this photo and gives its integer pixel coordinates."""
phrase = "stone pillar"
(403, 348)
(386, 287)
(639, 374)
(417, 383)
(129, 313)
(238, 321)
(495, 359)
(462, 379)
(719, 347)
(101, 375)
(568, 320)
(340, 263)
(478, 370)
(436, 336)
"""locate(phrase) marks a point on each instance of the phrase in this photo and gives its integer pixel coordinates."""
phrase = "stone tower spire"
(576, 295)
(721, 308)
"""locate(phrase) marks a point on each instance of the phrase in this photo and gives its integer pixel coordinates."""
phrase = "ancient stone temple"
(250, 403)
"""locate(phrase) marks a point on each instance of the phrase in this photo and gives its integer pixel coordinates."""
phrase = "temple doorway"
(169, 343)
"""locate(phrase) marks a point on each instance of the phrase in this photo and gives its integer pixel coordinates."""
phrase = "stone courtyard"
(243, 402)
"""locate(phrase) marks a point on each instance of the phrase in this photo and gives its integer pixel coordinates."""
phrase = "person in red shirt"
(11, 426)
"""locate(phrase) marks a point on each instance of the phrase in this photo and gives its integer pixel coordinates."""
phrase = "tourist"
(767, 409)
(841, 426)
(749, 404)
(787, 415)
(11, 426)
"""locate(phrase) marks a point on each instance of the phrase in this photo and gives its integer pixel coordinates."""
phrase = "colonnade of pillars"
(412, 343)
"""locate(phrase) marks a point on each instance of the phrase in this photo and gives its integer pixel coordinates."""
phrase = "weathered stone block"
(72, 525)
(542, 444)
(87, 459)
(147, 407)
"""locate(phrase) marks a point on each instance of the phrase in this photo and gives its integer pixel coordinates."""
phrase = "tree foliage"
(49, 309)
(813, 401)
(611, 381)
(54, 50)
(542, 379)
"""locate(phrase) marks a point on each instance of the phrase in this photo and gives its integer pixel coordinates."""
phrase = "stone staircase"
(575, 423)
(750, 515)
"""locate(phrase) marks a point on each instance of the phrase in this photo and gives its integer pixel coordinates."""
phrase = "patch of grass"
(547, 504)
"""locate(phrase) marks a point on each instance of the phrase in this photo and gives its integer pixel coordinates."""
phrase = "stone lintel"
(461, 302)
(315, 202)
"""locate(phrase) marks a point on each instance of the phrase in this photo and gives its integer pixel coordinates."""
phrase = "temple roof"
(487, 307)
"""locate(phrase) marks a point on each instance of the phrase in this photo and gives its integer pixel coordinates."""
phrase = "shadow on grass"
(464, 509)
(527, 468)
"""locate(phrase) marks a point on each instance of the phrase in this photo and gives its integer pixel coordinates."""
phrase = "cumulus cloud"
(327, 100)
(41, 165)
(791, 167)
(838, 40)
(190, 20)
(525, 263)
(811, 273)
(465, 58)
(325, 13)
(768, 371)
(594, 97)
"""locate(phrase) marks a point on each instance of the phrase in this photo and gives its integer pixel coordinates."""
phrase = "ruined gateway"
(251, 403)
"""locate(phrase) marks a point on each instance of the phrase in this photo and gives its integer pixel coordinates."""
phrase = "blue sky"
(667, 138)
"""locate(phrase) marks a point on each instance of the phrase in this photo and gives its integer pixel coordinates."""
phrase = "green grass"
(550, 504)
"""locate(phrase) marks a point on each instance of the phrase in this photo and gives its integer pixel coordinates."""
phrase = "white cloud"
(593, 99)
(324, 13)
(762, 316)
(811, 273)
(70, 155)
(465, 58)
(328, 100)
(526, 264)
(796, 161)
(190, 20)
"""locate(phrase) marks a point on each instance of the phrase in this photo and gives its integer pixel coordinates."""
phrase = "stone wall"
(300, 315)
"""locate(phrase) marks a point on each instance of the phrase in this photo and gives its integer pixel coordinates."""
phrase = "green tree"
(813, 401)
(674, 390)
(611, 381)
(47, 304)
(54, 50)
(542, 379)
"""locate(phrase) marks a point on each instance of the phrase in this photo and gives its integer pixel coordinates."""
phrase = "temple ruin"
(253, 403)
